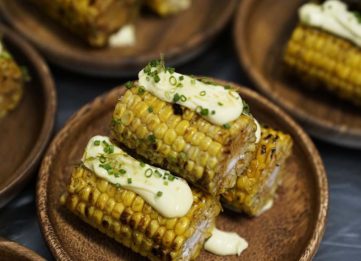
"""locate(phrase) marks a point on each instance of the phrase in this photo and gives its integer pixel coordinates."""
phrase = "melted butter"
(332, 16)
(225, 243)
(168, 195)
(124, 37)
(220, 104)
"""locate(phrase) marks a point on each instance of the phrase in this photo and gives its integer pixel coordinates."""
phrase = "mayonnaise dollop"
(124, 37)
(169, 195)
(215, 103)
(225, 243)
(334, 17)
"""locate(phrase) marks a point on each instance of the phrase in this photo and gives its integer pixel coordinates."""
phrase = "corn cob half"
(178, 139)
(256, 187)
(11, 82)
(321, 58)
(126, 217)
(92, 20)
(168, 7)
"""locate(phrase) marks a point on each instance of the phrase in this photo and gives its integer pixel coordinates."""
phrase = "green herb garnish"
(227, 126)
(151, 138)
(129, 181)
(202, 93)
(150, 109)
(97, 143)
(159, 194)
(128, 85)
(148, 173)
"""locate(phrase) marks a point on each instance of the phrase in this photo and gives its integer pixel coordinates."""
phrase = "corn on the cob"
(178, 139)
(258, 184)
(321, 58)
(11, 82)
(168, 7)
(126, 217)
(92, 20)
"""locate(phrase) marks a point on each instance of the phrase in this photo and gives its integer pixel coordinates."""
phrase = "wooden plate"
(25, 131)
(262, 29)
(179, 38)
(291, 230)
(10, 251)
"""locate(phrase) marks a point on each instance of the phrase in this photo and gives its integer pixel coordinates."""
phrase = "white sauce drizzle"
(226, 105)
(266, 207)
(124, 37)
(333, 17)
(225, 243)
(170, 197)
(258, 131)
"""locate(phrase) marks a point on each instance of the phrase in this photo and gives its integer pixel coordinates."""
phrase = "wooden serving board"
(26, 130)
(261, 31)
(178, 37)
(291, 230)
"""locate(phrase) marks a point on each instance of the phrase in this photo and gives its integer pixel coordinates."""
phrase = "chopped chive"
(142, 164)
(117, 175)
(159, 194)
(148, 173)
(213, 112)
(179, 85)
(156, 78)
(181, 78)
(176, 97)
(150, 109)
(227, 87)
(102, 159)
(172, 80)
(129, 181)
(116, 122)
(171, 70)
(129, 85)
(171, 177)
(202, 93)
(157, 173)
(227, 126)
(220, 104)
(151, 138)
(358, 16)
(193, 81)
(117, 185)
(106, 166)
(141, 90)
(122, 171)
(204, 111)
(97, 143)
(183, 98)
(165, 183)
(154, 63)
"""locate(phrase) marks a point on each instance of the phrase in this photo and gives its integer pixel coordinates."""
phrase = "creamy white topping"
(124, 37)
(258, 131)
(333, 17)
(169, 195)
(266, 207)
(225, 243)
(215, 103)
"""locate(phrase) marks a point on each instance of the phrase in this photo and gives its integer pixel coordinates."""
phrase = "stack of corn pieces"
(328, 54)
(239, 164)
(11, 82)
(97, 21)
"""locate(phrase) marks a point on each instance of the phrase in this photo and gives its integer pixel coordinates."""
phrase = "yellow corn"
(168, 7)
(92, 20)
(126, 217)
(322, 58)
(258, 184)
(11, 82)
(178, 139)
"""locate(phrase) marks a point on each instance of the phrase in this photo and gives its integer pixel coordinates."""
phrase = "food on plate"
(143, 207)
(198, 130)
(325, 48)
(12, 79)
(168, 7)
(96, 22)
(255, 189)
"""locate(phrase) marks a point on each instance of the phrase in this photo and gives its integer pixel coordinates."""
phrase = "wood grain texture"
(25, 131)
(291, 230)
(178, 37)
(11, 251)
(262, 29)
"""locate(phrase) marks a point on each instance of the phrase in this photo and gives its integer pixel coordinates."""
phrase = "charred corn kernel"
(168, 7)
(320, 57)
(131, 221)
(12, 82)
(258, 184)
(92, 21)
(181, 141)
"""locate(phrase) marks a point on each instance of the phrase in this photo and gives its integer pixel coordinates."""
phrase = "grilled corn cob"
(11, 82)
(92, 20)
(257, 186)
(178, 139)
(168, 7)
(126, 217)
(323, 59)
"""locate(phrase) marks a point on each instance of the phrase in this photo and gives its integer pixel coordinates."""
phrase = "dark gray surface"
(342, 241)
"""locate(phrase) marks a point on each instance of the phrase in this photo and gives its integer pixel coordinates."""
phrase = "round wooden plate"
(262, 29)
(179, 37)
(25, 131)
(10, 251)
(291, 230)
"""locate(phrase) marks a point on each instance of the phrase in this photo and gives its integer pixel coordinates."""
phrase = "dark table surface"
(342, 240)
